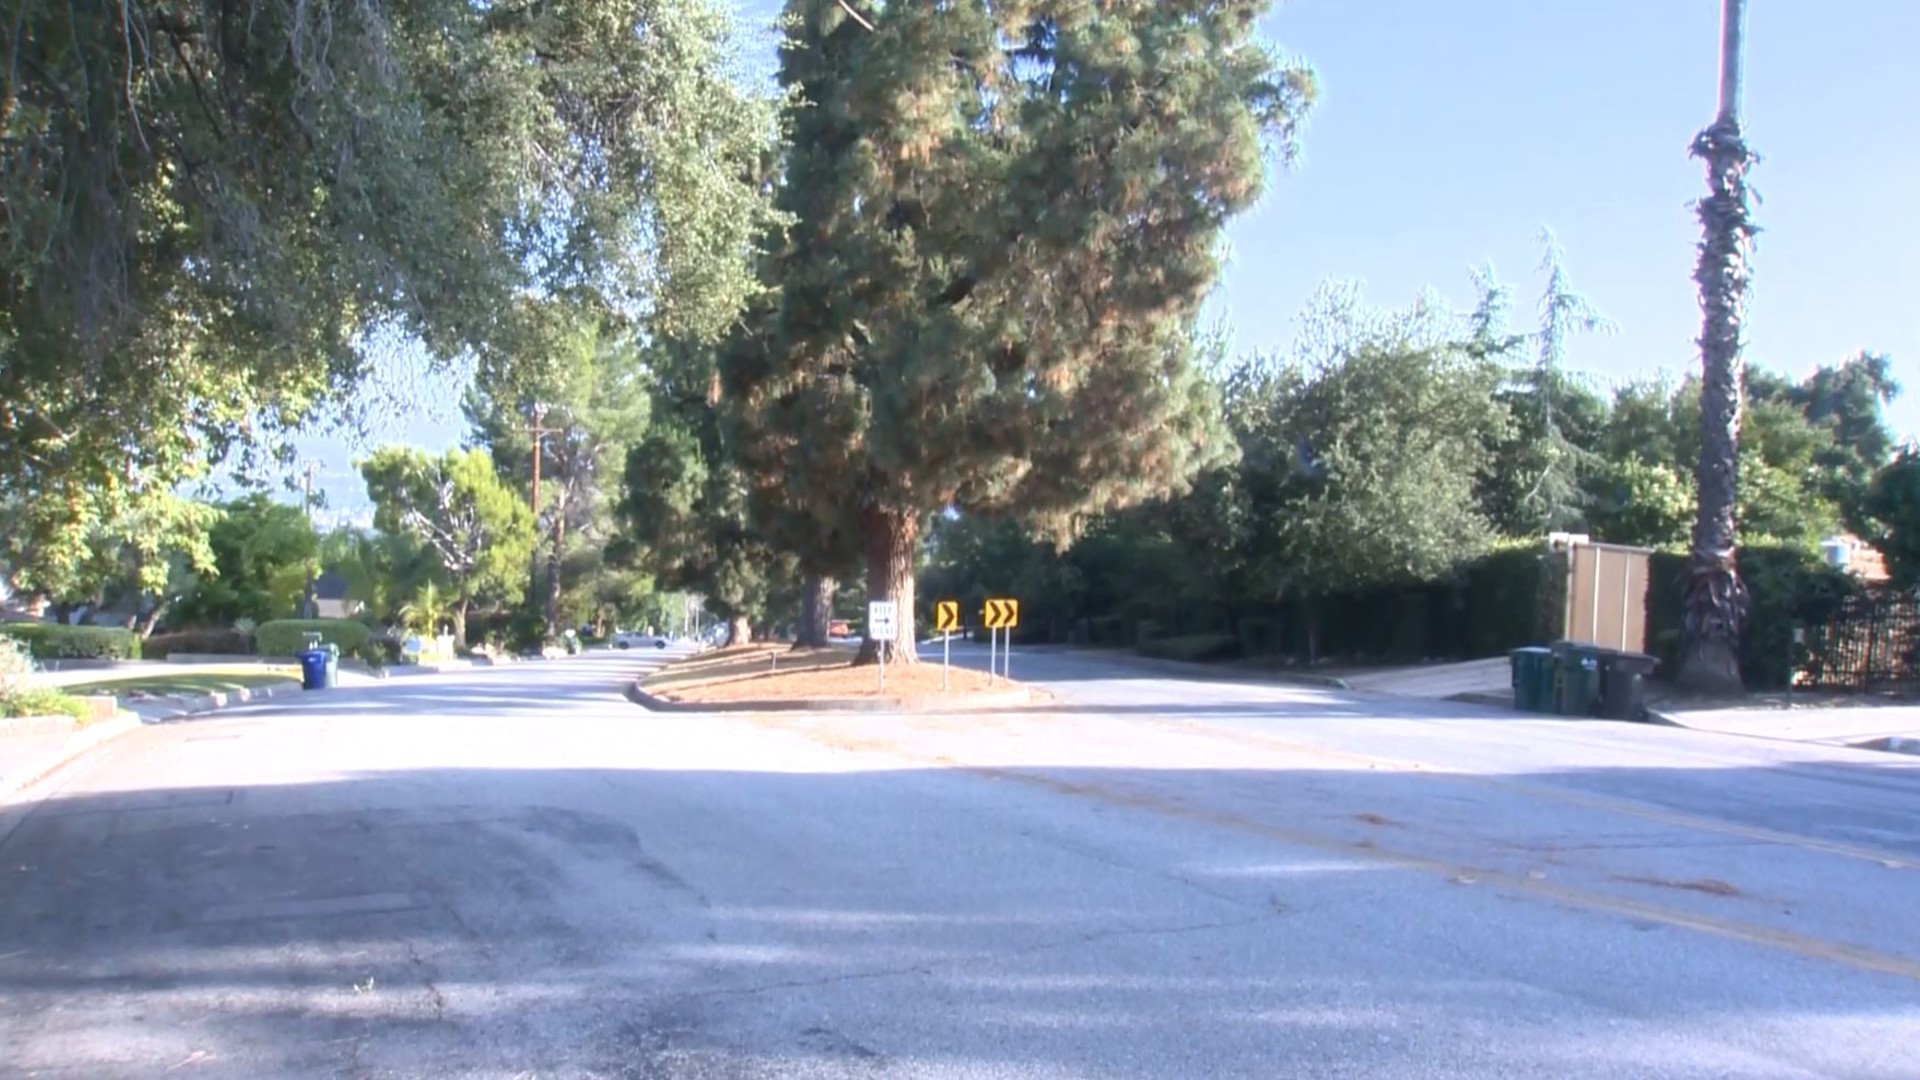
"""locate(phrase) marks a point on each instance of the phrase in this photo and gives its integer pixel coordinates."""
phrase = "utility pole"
(309, 609)
(537, 432)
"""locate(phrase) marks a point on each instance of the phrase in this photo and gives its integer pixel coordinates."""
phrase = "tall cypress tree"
(1006, 215)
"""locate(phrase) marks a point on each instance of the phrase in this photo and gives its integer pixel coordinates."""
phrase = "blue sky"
(1448, 134)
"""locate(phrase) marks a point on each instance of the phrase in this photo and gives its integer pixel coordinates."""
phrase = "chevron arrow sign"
(1002, 614)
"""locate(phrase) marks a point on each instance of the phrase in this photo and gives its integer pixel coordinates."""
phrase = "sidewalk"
(1853, 725)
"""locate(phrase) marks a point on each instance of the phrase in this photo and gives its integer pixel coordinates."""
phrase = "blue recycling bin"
(319, 669)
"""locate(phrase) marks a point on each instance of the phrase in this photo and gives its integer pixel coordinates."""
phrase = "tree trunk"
(144, 625)
(1716, 598)
(892, 538)
(739, 631)
(816, 613)
(460, 622)
(553, 574)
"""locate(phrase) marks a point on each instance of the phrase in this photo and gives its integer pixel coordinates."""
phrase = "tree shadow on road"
(982, 920)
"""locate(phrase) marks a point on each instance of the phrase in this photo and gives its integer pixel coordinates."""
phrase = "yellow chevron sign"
(946, 616)
(1002, 614)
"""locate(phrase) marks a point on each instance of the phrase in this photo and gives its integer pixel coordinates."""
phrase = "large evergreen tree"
(1006, 215)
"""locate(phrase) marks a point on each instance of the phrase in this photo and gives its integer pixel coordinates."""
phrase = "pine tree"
(1005, 218)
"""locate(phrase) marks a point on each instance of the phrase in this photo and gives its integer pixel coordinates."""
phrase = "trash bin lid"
(1533, 650)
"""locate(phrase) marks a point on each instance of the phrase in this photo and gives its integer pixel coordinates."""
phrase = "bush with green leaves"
(44, 701)
(15, 665)
(201, 642)
(59, 641)
(288, 637)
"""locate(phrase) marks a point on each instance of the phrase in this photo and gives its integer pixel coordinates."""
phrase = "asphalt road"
(514, 872)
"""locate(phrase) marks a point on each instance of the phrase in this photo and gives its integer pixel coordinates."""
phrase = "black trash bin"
(1623, 684)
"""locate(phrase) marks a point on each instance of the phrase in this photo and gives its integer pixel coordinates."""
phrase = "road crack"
(434, 996)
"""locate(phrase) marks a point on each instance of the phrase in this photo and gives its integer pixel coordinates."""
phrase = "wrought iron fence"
(1870, 643)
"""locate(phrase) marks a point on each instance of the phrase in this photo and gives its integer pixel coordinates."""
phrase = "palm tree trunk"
(1716, 599)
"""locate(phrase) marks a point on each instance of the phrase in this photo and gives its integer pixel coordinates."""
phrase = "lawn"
(188, 682)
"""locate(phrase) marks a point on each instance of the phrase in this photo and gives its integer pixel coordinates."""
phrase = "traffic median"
(777, 678)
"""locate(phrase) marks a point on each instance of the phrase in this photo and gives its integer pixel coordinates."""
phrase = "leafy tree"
(1642, 500)
(1849, 402)
(1716, 599)
(381, 569)
(262, 553)
(212, 209)
(567, 373)
(98, 545)
(1359, 465)
(457, 507)
(1893, 506)
(1005, 217)
(684, 504)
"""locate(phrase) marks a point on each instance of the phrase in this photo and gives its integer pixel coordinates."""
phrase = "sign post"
(946, 619)
(1001, 615)
(883, 626)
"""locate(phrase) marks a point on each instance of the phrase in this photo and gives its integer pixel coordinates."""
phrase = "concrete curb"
(1002, 699)
(194, 704)
(133, 715)
(78, 743)
(1224, 671)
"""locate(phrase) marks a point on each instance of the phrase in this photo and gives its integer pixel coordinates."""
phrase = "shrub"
(526, 632)
(45, 702)
(1514, 596)
(58, 641)
(1108, 630)
(1193, 647)
(286, 637)
(15, 665)
(209, 642)
(1144, 632)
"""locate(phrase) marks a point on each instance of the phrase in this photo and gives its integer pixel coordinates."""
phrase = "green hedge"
(286, 637)
(1194, 647)
(1512, 597)
(58, 641)
(206, 642)
(1786, 586)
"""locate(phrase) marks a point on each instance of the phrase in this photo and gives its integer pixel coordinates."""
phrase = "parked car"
(634, 639)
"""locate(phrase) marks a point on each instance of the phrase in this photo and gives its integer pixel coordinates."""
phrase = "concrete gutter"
(998, 700)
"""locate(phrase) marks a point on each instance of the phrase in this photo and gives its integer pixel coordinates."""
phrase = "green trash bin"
(1577, 679)
(1533, 679)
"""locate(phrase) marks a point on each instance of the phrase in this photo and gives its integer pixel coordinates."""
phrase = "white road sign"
(883, 620)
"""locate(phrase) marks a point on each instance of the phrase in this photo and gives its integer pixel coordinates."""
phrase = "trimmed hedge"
(58, 641)
(1193, 647)
(209, 642)
(286, 637)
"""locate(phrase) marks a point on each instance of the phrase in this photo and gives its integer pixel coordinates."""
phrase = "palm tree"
(1716, 599)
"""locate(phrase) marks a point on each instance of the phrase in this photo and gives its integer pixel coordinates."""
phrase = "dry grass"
(777, 673)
